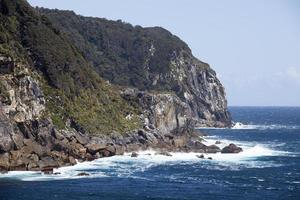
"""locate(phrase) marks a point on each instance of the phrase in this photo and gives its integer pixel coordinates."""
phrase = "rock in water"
(213, 149)
(200, 156)
(134, 154)
(232, 148)
(83, 174)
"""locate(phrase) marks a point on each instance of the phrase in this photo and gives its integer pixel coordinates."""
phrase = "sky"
(253, 45)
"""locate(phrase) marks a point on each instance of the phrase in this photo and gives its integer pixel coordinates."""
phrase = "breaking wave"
(241, 126)
(126, 166)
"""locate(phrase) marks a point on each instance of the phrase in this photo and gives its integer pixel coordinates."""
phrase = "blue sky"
(254, 45)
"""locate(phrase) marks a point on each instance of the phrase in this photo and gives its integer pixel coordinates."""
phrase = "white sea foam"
(241, 126)
(126, 166)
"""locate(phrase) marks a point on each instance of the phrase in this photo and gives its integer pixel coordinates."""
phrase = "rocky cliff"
(148, 59)
(68, 95)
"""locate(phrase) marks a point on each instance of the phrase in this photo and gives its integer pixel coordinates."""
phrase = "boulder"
(134, 154)
(83, 174)
(81, 139)
(94, 148)
(212, 149)
(200, 156)
(108, 151)
(232, 148)
(196, 145)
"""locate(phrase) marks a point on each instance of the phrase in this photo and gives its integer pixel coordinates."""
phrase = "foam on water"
(126, 166)
(241, 126)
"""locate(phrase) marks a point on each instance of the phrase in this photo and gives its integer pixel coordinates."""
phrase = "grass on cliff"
(71, 86)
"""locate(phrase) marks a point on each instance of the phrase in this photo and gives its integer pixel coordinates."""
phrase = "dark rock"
(200, 156)
(212, 149)
(196, 145)
(232, 148)
(83, 174)
(209, 158)
(47, 170)
(105, 153)
(134, 154)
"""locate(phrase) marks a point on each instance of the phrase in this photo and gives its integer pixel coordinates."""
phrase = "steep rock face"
(25, 99)
(148, 59)
(165, 111)
(198, 86)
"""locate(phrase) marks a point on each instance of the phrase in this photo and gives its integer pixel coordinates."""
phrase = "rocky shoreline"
(46, 151)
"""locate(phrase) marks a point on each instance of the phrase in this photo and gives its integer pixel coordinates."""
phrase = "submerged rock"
(134, 154)
(83, 174)
(232, 148)
(200, 156)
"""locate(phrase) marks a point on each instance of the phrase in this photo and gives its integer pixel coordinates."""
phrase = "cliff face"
(147, 59)
(56, 106)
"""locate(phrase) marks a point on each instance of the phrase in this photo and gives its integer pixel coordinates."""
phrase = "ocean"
(268, 168)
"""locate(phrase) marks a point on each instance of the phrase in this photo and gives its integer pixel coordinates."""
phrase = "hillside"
(72, 88)
(148, 59)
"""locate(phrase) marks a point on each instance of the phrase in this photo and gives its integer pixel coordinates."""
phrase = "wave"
(126, 166)
(241, 126)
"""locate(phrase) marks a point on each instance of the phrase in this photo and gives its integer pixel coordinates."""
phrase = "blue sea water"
(268, 168)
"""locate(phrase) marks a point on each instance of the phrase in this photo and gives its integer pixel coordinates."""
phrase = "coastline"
(67, 148)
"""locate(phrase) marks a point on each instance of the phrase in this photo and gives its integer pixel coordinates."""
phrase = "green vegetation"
(119, 52)
(73, 89)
